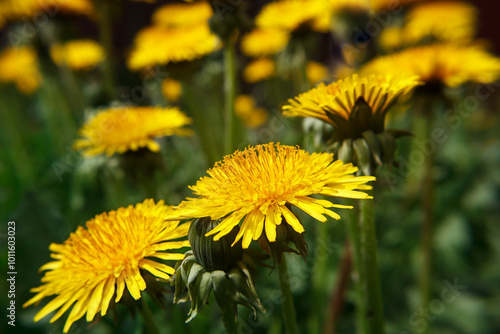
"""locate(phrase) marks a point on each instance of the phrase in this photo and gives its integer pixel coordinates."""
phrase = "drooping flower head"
(445, 21)
(337, 103)
(78, 54)
(122, 129)
(450, 65)
(20, 67)
(260, 184)
(96, 263)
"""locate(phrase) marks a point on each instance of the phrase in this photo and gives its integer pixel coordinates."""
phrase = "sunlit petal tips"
(259, 185)
(97, 263)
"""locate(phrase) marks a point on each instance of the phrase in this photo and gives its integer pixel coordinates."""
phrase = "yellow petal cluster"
(159, 45)
(445, 21)
(339, 98)
(80, 54)
(246, 109)
(182, 15)
(264, 42)
(260, 184)
(289, 15)
(451, 65)
(20, 67)
(122, 129)
(95, 264)
(316, 72)
(13, 10)
(171, 89)
(259, 69)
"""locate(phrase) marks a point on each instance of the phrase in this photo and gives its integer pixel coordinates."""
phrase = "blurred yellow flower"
(391, 38)
(316, 72)
(264, 42)
(390, 4)
(245, 108)
(259, 69)
(289, 15)
(95, 264)
(260, 184)
(20, 67)
(158, 45)
(171, 89)
(446, 21)
(335, 103)
(451, 65)
(182, 15)
(31, 9)
(78, 54)
(122, 129)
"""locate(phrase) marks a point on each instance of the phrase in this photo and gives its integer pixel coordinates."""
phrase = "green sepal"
(374, 145)
(345, 153)
(363, 156)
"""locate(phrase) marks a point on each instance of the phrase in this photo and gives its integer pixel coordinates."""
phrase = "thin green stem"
(230, 94)
(319, 288)
(147, 317)
(358, 272)
(288, 310)
(374, 308)
(106, 39)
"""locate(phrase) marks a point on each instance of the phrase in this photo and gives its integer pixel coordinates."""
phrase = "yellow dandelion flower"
(247, 111)
(14, 10)
(339, 98)
(451, 65)
(182, 14)
(350, 5)
(289, 15)
(259, 69)
(390, 4)
(95, 264)
(20, 66)
(158, 45)
(391, 38)
(122, 129)
(171, 89)
(337, 103)
(264, 42)
(78, 54)
(260, 184)
(316, 72)
(446, 21)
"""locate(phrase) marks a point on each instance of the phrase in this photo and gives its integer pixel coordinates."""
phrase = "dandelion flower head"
(96, 263)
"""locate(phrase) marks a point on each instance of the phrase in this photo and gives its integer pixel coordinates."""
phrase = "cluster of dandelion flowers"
(451, 65)
(20, 67)
(259, 69)
(160, 45)
(122, 129)
(447, 21)
(78, 54)
(14, 10)
(96, 263)
(261, 183)
(336, 103)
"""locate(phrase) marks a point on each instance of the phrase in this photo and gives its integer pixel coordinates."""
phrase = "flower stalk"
(147, 317)
(230, 93)
(288, 310)
(374, 313)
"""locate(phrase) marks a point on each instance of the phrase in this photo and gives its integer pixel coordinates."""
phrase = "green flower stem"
(374, 315)
(288, 310)
(230, 94)
(106, 39)
(147, 317)
(319, 288)
(230, 325)
(358, 272)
